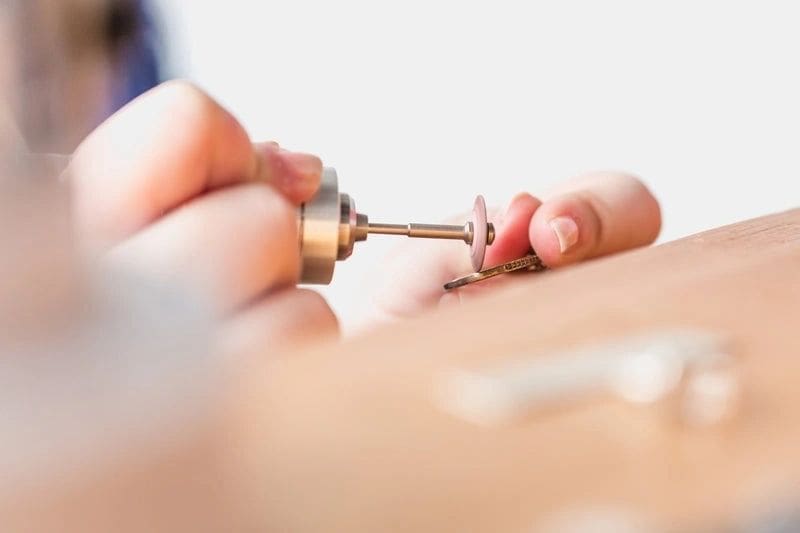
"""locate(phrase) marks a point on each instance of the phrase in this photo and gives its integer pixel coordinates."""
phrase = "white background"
(420, 105)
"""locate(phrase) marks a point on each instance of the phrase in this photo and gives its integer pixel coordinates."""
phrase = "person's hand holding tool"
(590, 216)
(172, 186)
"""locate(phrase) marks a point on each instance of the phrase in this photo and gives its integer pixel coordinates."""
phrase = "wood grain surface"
(348, 437)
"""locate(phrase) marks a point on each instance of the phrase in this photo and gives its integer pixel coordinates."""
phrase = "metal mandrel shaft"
(430, 231)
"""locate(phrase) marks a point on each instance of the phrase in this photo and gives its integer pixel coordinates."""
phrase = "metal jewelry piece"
(694, 367)
(529, 263)
(328, 226)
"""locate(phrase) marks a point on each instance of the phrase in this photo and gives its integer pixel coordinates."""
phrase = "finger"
(290, 318)
(511, 228)
(165, 148)
(597, 214)
(296, 175)
(231, 246)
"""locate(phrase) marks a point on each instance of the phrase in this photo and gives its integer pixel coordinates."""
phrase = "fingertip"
(598, 214)
(511, 224)
(563, 231)
(650, 212)
(296, 175)
(523, 205)
(305, 172)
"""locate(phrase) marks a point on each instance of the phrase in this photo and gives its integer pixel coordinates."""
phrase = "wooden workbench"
(348, 437)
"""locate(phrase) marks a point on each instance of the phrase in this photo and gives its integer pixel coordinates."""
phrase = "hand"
(172, 186)
(591, 216)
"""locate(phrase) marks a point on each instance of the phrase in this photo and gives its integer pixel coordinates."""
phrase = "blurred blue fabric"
(139, 68)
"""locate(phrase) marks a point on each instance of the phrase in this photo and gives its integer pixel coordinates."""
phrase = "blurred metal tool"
(329, 226)
(694, 367)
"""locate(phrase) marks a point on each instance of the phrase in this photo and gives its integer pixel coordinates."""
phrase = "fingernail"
(302, 164)
(306, 167)
(566, 231)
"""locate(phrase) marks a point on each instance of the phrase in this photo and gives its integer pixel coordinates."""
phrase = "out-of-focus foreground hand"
(590, 216)
(171, 186)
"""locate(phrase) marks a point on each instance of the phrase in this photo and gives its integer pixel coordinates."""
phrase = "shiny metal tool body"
(329, 226)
